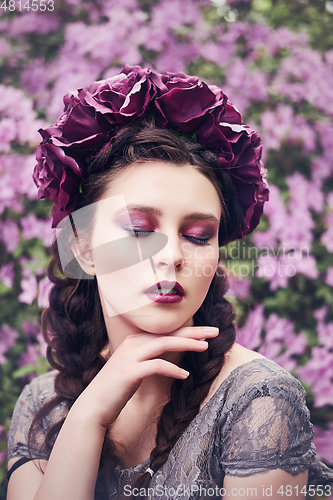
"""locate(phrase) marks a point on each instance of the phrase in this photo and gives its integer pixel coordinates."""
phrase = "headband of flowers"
(179, 102)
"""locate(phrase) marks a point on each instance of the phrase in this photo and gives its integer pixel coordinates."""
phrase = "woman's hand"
(139, 356)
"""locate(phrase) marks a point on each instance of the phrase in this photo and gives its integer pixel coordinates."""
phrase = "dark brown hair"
(73, 324)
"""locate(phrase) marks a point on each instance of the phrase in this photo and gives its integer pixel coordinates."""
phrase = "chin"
(159, 323)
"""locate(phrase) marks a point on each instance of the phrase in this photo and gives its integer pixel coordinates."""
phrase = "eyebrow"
(158, 213)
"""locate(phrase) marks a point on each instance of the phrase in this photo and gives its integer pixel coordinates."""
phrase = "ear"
(84, 257)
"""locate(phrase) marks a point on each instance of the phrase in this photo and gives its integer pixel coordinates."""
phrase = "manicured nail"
(185, 373)
(211, 329)
(202, 343)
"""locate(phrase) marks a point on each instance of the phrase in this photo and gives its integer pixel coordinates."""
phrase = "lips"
(165, 292)
(166, 288)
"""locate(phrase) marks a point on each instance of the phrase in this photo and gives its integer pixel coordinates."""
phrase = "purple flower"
(29, 290)
(238, 287)
(9, 234)
(33, 22)
(327, 236)
(37, 228)
(7, 274)
(28, 284)
(8, 337)
(44, 288)
(323, 440)
(29, 329)
(250, 334)
(329, 276)
(318, 373)
(33, 351)
(180, 102)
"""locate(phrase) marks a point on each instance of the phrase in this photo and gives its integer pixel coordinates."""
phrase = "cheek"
(202, 260)
(199, 269)
(122, 290)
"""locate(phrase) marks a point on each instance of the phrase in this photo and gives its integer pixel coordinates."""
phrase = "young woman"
(150, 395)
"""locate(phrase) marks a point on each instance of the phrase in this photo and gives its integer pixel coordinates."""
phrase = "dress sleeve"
(31, 399)
(268, 427)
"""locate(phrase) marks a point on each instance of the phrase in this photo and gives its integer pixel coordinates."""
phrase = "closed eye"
(135, 232)
(197, 241)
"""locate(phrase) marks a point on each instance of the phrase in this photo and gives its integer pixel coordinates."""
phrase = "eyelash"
(196, 241)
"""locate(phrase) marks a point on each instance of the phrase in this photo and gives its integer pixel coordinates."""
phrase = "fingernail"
(202, 343)
(185, 373)
(211, 329)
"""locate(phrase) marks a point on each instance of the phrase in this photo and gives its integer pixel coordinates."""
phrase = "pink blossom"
(301, 263)
(329, 276)
(9, 234)
(322, 167)
(327, 236)
(174, 14)
(37, 228)
(318, 373)
(34, 80)
(238, 287)
(282, 126)
(33, 22)
(323, 389)
(274, 271)
(280, 336)
(282, 37)
(7, 134)
(28, 283)
(278, 217)
(250, 334)
(325, 334)
(29, 290)
(320, 313)
(176, 56)
(304, 75)
(305, 194)
(219, 54)
(278, 328)
(293, 229)
(44, 288)
(329, 200)
(33, 351)
(5, 48)
(243, 86)
(278, 270)
(8, 337)
(323, 440)
(30, 329)
(7, 274)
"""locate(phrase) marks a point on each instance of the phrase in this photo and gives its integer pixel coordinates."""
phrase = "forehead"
(167, 186)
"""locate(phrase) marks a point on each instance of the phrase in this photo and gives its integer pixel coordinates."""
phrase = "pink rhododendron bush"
(274, 61)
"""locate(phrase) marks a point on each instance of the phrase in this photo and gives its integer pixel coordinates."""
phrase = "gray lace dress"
(256, 421)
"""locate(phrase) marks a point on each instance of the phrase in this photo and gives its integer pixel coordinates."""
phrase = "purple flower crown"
(180, 102)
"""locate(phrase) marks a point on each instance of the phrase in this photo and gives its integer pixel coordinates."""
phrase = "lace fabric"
(256, 421)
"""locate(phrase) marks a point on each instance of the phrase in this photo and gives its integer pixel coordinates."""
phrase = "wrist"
(83, 417)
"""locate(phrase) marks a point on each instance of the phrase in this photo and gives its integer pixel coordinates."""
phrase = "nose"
(171, 255)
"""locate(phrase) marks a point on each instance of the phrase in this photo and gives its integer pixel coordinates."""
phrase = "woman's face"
(155, 244)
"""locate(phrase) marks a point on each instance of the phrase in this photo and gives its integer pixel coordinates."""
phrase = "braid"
(74, 329)
(187, 395)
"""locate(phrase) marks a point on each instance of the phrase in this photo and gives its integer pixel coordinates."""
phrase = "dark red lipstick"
(166, 292)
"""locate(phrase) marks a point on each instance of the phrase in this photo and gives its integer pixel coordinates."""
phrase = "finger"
(164, 344)
(161, 367)
(196, 332)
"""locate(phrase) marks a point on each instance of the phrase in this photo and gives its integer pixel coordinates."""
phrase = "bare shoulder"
(235, 357)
